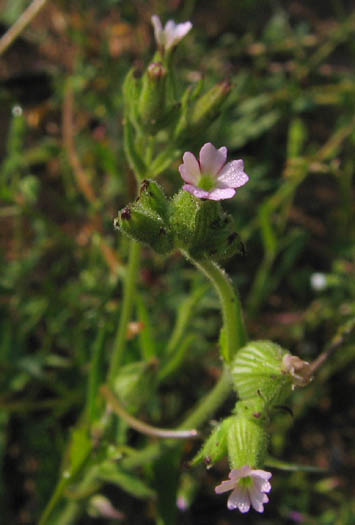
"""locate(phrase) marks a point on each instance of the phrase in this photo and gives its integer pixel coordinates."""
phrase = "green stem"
(204, 411)
(234, 329)
(126, 311)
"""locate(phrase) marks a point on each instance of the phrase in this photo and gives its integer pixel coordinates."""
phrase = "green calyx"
(202, 228)
(257, 371)
(247, 438)
(215, 447)
(198, 227)
(242, 437)
(146, 220)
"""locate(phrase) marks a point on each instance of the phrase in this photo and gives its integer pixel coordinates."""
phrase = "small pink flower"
(171, 34)
(248, 486)
(210, 177)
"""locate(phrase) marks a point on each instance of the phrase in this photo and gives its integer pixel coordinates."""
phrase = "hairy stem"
(234, 329)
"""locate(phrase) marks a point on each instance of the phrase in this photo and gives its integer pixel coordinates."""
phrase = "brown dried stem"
(20, 25)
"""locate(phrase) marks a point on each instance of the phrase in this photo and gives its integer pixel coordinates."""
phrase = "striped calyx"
(247, 437)
(257, 371)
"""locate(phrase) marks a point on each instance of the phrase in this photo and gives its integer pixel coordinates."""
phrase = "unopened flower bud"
(204, 111)
(152, 100)
(152, 198)
(145, 227)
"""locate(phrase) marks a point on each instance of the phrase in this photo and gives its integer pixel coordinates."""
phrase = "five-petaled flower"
(210, 177)
(171, 34)
(248, 486)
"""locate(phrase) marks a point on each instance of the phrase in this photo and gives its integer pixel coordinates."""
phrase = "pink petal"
(175, 32)
(181, 30)
(256, 498)
(212, 159)
(262, 484)
(232, 175)
(221, 193)
(261, 474)
(239, 499)
(158, 28)
(197, 192)
(190, 169)
(225, 486)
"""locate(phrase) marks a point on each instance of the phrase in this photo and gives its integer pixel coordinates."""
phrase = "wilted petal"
(239, 499)
(198, 192)
(212, 159)
(233, 175)
(221, 193)
(190, 169)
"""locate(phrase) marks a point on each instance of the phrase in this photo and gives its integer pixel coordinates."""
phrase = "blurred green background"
(63, 176)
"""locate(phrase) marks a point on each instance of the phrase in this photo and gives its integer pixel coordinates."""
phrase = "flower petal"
(232, 175)
(212, 159)
(158, 29)
(239, 499)
(180, 32)
(190, 169)
(225, 486)
(238, 473)
(257, 499)
(261, 484)
(219, 194)
(197, 192)
(261, 474)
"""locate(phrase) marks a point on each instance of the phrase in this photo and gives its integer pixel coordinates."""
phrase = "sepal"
(215, 447)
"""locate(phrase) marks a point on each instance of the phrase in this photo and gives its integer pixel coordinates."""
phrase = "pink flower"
(248, 486)
(210, 177)
(172, 33)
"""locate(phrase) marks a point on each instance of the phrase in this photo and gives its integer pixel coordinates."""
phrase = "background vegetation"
(63, 176)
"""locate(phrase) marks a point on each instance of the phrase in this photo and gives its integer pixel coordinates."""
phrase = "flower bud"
(152, 198)
(204, 111)
(146, 220)
(257, 370)
(144, 227)
(152, 99)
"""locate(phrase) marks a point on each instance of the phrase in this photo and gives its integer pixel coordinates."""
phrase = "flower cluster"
(209, 177)
(249, 487)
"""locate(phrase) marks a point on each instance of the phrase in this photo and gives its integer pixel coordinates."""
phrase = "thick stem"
(126, 311)
(234, 329)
